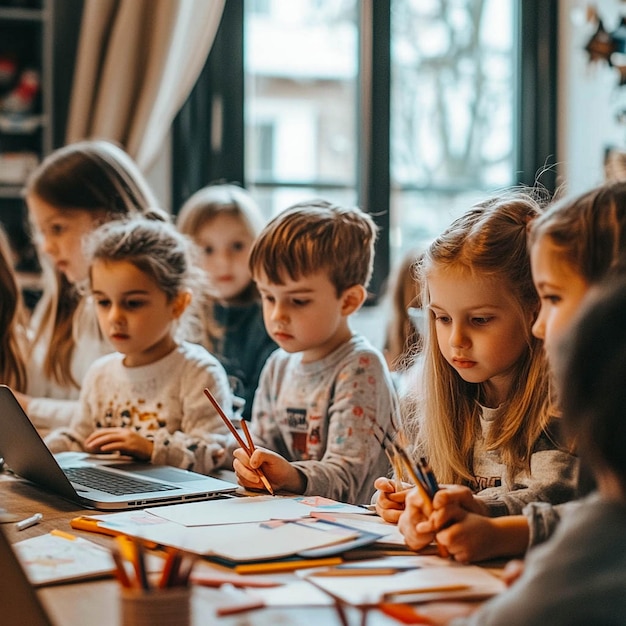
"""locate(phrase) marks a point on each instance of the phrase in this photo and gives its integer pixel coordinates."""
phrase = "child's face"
(479, 328)
(305, 315)
(61, 234)
(226, 242)
(133, 312)
(560, 288)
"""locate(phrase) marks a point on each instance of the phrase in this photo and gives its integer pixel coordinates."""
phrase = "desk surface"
(96, 602)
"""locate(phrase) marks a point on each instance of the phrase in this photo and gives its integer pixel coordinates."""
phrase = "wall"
(589, 97)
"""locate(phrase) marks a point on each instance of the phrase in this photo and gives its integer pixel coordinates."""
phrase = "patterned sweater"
(163, 401)
(325, 417)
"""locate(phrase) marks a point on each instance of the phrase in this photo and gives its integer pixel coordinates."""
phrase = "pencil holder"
(156, 607)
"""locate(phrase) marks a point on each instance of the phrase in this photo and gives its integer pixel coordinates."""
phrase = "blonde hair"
(314, 236)
(489, 240)
(12, 321)
(95, 177)
(219, 199)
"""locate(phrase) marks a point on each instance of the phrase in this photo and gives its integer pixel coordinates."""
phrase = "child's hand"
(122, 440)
(281, 474)
(413, 517)
(452, 502)
(389, 502)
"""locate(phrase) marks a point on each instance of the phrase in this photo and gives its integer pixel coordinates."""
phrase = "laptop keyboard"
(112, 483)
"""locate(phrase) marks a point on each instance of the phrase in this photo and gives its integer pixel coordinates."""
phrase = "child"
(402, 339)
(146, 400)
(73, 190)
(12, 322)
(224, 221)
(573, 245)
(578, 577)
(326, 396)
(483, 416)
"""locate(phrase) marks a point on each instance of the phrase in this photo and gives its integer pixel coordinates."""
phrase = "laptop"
(19, 600)
(108, 485)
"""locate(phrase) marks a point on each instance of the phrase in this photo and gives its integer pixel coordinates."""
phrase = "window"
(301, 70)
(452, 122)
(412, 109)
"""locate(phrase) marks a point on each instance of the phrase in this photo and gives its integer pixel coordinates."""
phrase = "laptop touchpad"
(162, 472)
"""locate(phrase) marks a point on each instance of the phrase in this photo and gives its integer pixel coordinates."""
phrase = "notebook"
(19, 601)
(104, 485)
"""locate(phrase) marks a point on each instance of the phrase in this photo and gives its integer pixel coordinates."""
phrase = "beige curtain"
(137, 62)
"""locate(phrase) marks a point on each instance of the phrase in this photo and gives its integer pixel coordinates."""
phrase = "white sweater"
(163, 401)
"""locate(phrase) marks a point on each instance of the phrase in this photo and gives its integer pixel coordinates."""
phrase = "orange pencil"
(170, 569)
(120, 569)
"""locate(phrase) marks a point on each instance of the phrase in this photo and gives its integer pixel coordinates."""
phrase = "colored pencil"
(248, 449)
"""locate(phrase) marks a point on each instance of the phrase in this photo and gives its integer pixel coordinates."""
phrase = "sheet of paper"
(427, 582)
(366, 523)
(51, 558)
(237, 542)
(299, 593)
(251, 509)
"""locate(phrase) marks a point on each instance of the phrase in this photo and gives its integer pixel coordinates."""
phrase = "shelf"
(20, 14)
(13, 192)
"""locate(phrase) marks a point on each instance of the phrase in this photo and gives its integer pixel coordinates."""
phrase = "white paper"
(370, 590)
(250, 509)
(51, 558)
(238, 542)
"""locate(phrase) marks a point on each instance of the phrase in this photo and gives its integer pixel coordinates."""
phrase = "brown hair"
(93, 176)
(309, 237)
(402, 339)
(589, 230)
(12, 321)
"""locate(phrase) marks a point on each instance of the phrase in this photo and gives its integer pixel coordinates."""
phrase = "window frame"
(216, 105)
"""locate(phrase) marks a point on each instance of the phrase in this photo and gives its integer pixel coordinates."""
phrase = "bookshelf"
(26, 110)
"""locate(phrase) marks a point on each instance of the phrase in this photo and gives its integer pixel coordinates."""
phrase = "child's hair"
(94, 176)
(402, 339)
(12, 321)
(315, 236)
(156, 248)
(589, 231)
(590, 370)
(219, 199)
(489, 241)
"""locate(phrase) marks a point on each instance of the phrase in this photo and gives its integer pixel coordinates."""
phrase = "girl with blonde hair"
(483, 416)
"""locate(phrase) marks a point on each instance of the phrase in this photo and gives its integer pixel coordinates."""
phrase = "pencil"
(170, 569)
(120, 568)
(356, 571)
(404, 458)
(249, 449)
(434, 589)
(424, 490)
(226, 420)
(244, 427)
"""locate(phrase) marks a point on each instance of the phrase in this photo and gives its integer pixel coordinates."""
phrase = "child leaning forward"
(325, 398)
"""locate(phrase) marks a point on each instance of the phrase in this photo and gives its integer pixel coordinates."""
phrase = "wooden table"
(96, 603)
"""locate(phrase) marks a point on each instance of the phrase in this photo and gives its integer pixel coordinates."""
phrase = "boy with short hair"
(325, 398)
